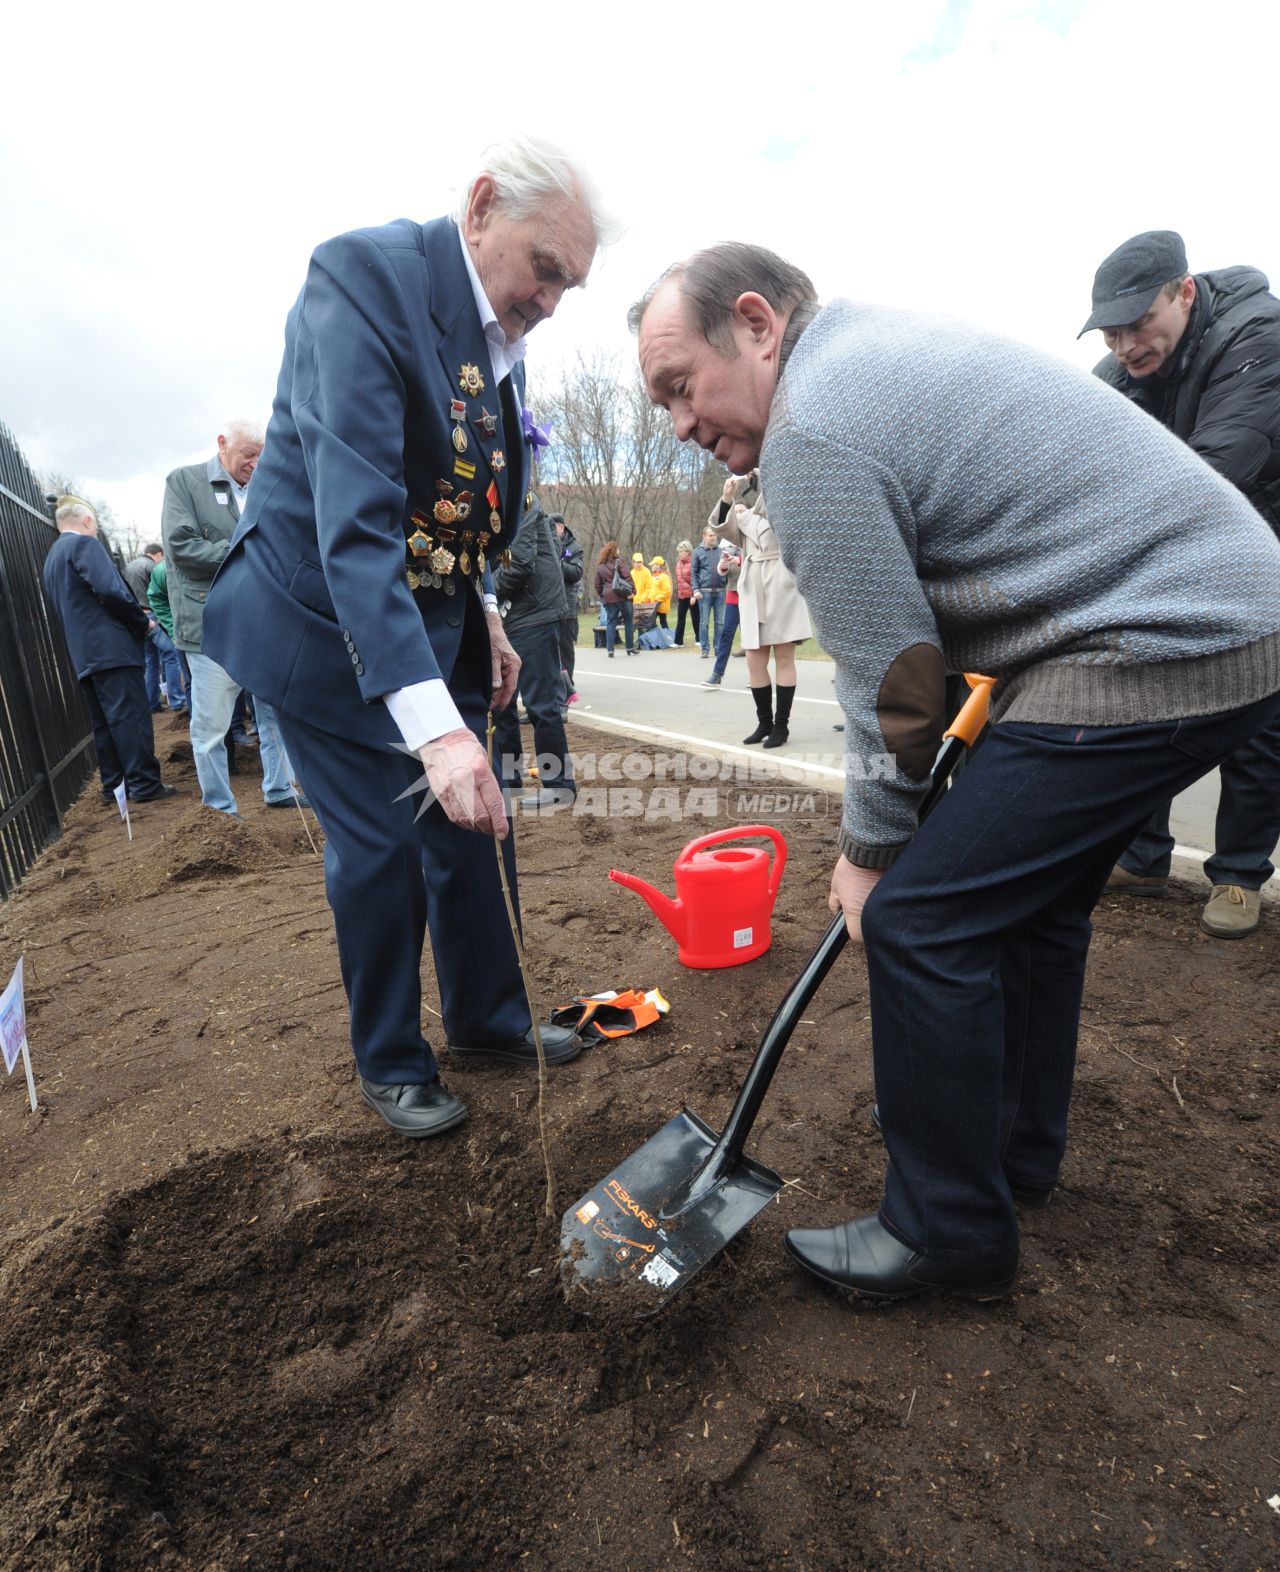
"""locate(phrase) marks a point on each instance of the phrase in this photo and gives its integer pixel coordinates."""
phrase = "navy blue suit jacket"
(312, 609)
(103, 623)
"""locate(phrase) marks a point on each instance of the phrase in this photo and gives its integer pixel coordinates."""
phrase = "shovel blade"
(635, 1238)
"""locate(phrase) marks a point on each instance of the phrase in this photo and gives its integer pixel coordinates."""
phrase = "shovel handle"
(961, 735)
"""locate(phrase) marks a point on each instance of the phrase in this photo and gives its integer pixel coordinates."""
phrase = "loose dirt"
(244, 1325)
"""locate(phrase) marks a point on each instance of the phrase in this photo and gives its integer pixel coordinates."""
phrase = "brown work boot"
(1231, 912)
(1122, 882)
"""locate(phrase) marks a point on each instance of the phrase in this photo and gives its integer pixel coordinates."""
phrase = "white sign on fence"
(13, 1030)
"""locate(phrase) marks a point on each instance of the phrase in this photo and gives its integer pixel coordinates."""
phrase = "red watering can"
(724, 898)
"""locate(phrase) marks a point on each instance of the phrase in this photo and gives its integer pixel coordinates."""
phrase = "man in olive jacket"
(202, 504)
(1201, 354)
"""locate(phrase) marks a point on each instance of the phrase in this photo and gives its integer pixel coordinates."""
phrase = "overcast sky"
(165, 171)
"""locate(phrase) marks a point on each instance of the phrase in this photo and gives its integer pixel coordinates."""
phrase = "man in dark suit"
(357, 600)
(105, 629)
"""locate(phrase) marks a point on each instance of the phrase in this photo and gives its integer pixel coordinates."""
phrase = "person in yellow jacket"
(661, 588)
(642, 579)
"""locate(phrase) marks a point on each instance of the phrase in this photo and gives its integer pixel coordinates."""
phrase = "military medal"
(460, 439)
(464, 562)
(488, 422)
(441, 561)
(463, 504)
(444, 511)
(498, 459)
(470, 380)
(495, 518)
(419, 544)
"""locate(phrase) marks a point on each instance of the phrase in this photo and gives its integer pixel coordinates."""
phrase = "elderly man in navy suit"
(105, 629)
(357, 599)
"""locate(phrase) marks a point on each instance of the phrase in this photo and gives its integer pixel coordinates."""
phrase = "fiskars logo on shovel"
(633, 1208)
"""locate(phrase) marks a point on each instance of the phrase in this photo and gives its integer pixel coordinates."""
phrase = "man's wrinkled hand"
(506, 663)
(850, 887)
(463, 784)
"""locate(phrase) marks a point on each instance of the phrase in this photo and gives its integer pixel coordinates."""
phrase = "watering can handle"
(740, 832)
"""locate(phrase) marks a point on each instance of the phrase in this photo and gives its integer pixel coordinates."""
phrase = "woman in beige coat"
(774, 617)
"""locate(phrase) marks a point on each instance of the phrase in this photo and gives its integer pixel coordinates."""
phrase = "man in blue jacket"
(708, 589)
(357, 599)
(105, 630)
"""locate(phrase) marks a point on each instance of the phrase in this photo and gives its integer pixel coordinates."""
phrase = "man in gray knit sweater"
(997, 511)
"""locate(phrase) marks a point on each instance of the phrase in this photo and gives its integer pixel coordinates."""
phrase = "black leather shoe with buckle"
(418, 1110)
(559, 1045)
(863, 1257)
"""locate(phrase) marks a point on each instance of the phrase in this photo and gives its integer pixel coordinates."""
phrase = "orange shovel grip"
(973, 712)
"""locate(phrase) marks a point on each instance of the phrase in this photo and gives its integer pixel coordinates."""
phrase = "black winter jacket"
(1221, 394)
(530, 587)
(571, 569)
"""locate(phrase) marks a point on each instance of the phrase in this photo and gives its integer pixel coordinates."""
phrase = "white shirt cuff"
(423, 711)
(490, 602)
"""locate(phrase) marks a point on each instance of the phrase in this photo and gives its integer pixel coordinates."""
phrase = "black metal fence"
(46, 751)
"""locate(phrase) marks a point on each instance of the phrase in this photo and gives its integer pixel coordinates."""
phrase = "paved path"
(658, 695)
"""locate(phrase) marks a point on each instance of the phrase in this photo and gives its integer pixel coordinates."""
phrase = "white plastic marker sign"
(122, 802)
(13, 1030)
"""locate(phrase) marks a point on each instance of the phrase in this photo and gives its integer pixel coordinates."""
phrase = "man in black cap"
(1201, 353)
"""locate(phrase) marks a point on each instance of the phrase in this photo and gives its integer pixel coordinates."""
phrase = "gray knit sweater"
(949, 499)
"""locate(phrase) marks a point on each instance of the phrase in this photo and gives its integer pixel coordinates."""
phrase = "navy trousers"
(976, 941)
(122, 732)
(724, 645)
(391, 878)
(542, 689)
(1247, 826)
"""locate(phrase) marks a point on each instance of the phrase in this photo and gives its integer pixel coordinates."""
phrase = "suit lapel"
(464, 358)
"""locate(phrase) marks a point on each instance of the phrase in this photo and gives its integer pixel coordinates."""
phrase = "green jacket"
(158, 596)
(199, 518)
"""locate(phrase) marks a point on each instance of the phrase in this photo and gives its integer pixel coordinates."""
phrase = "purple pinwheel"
(535, 435)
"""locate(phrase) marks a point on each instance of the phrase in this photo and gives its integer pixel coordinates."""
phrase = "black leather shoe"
(428, 1109)
(863, 1257)
(1029, 1195)
(559, 1045)
(155, 796)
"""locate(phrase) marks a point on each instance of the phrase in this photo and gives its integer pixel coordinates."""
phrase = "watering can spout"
(671, 914)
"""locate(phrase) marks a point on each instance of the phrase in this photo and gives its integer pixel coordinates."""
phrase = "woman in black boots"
(611, 571)
(774, 617)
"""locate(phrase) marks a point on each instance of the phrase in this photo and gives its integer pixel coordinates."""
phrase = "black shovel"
(638, 1236)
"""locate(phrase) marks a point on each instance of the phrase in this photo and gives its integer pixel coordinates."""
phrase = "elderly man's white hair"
(250, 430)
(71, 509)
(527, 170)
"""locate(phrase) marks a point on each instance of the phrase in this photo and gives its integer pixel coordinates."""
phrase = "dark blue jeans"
(542, 689)
(614, 613)
(1247, 826)
(724, 645)
(976, 941)
(161, 661)
(711, 608)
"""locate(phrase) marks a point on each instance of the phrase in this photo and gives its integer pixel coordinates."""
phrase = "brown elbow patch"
(910, 708)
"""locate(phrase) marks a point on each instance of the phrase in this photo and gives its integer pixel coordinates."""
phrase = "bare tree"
(615, 467)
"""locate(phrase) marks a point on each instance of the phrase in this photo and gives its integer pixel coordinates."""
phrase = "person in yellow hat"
(642, 579)
(661, 588)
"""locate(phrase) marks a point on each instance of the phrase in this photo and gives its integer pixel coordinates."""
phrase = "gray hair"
(711, 281)
(250, 430)
(526, 170)
(72, 509)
